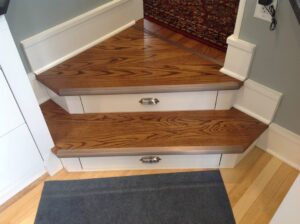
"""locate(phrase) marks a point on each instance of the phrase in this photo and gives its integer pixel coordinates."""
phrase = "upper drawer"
(10, 115)
(204, 100)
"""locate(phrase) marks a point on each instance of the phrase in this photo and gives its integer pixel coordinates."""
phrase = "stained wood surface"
(179, 132)
(201, 49)
(260, 199)
(137, 60)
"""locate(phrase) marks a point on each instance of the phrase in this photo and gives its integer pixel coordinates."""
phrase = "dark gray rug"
(180, 198)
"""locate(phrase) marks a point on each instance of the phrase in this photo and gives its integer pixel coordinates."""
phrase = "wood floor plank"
(136, 60)
(183, 40)
(234, 177)
(255, 189)
(244, 181)
(272, 195)
(176, 132)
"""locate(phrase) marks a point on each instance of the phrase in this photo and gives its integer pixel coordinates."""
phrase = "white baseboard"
(53, 164)
(59, 43)
(282, 144)
(18, 186)
(258, 101)
(39, 89)
(238, 58)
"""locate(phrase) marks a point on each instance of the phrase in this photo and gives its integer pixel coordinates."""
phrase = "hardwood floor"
(197, 47)
(255, 188)
(139, 133)
(138, 60)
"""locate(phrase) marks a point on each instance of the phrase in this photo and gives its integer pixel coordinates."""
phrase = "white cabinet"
(25, 141)
(20, 162)
(10, 116)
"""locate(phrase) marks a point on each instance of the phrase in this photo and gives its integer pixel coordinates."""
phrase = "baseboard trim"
(39, 89)
(84, 48)
(281, 143)
(239, 57)
(53, 46)
(18, 187)
(23, 192)
(258, 101)
(232, 74)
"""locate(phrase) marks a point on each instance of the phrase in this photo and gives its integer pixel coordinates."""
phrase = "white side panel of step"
(134, 162)
(204, 100)
(71, 104)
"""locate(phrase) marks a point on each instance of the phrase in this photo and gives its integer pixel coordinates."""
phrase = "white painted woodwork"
(204, 100)
(258, 101)
(20, 162)
(71, 164)
(39, 89)
(288, 211)
(22, 91)
(282, 144)
(58, 44)
(71, 104)
(174, 101)
(10, 115)
(238, 58)
(239, 18)
(225, 99)
(134, 163)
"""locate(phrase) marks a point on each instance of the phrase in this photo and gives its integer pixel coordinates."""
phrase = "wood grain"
(134, 61)
(178, 132)
(211, 53)
(260, 209)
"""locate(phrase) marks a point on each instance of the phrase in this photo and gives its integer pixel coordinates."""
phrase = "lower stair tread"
(148, 133)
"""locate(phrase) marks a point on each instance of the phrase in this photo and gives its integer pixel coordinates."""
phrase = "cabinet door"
(10, 115)
(20, 162)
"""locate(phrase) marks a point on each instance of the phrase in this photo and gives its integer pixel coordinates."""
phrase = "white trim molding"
(39, 89)
(239, 18)
(282, 144)
(57, 44)
(258, 101)
(238, 59)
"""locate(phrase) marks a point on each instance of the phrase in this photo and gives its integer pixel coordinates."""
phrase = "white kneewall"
(72, 37)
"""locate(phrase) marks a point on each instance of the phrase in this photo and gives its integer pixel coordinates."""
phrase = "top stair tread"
(180, 132)
(135, 60)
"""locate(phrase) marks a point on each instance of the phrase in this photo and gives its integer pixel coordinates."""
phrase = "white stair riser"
(174, 101)
(134, 163)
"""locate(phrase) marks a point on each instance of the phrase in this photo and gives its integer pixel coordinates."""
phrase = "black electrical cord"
(272, 12)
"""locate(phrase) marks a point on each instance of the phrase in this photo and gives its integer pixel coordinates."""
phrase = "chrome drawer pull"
(150, 159)
(149, 101)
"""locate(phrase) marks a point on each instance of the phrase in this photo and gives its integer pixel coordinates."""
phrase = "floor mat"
(179, 198)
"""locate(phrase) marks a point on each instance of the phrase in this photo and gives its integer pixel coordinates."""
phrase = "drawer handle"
(150, 159)
(149, 101)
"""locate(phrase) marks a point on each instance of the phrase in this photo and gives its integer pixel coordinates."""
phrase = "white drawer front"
(134, 163)
(204, 100)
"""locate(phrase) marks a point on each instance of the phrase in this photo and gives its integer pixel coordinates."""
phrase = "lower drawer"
(135, 163)
(204, 100)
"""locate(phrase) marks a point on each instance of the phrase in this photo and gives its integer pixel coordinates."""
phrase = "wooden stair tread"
(134, 61)
(183, 132)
